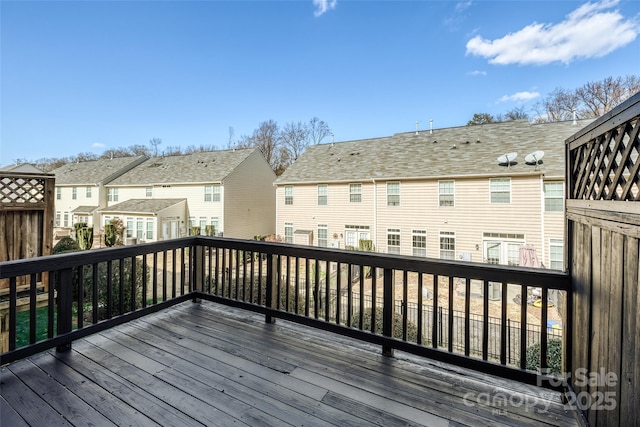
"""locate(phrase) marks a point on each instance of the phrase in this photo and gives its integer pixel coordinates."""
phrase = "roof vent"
(454, 147)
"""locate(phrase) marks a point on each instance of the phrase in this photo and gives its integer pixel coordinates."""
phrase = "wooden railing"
(334, 290)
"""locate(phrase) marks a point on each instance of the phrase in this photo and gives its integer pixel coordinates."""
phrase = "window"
(66, 219)
(322, 195)
(215, 221)
(288, 195)
(419, 242)
(112, 195)
(129, 227)
(288, 232)
(393, 241)
(149, 229)
(74, 193)
(149, 192)
(88, 193)
(355, 193)
(58, 193)
(393, 194)
(139, 228)
(446, 193)
(500, 190)
(203, 225)
(107, 219)
(322, 235)
(513, 253)
(447, 245)
(58, 219)
(353, 234)
(212, 193)
(556, 254)
(553, 196)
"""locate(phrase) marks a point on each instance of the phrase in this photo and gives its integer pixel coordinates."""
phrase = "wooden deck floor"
(205, 364)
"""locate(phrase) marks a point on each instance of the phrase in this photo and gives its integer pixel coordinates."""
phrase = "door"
(493, 252)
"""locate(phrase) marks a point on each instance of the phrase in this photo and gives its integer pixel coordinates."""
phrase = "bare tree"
(232, 133)
(517, 113)
(267, 139)
(295, 140)
(154, 142)
(172, 150)
(318, 130)
(139, 150)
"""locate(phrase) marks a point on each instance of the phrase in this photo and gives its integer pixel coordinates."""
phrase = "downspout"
(375, 213)
(542, 222)
(277, 204)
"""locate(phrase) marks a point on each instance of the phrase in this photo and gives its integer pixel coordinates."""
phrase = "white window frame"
(215, 221)
(323, 236)
(393, 236)
(149, 192)
(288, 194)
(419, 243)
(447, 193)
(139, 228)
(149, 233)
(355, 192)
(58, 193)
(112, 194)
(130, 226)
(445, 238)
(58, 218)
(323, 190)
(87, 193)
(552, 196)
(288, 232)
(498, 188)
(393, 193)
(203, 225)
(553, 263)
(74, 193)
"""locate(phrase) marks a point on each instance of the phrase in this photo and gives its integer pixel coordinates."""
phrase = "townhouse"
(164, 197)
(476, 193)
(80, 189)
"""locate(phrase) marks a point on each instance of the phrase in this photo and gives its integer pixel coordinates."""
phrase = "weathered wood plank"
(9, 417)
(75, 410)
(630, 367)
(615, 321)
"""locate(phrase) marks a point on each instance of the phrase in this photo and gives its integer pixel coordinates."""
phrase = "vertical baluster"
(450, 315)
(144, 280)
(523, 326)
(109, 289)
(80, 285)
(164, 275)
(95, 290)
(32, 309)
(485, 321)
(183, 263)
(288, 285)
(327, 299)
(174, 283)
(121, 286)
(388, 310)
(361, 290)
(350, 296)
(252, 276)
(405, 303)
(374, 299)
(338, 293)
(134, 282)
(65, 307)
(543, 331)
(503, 325)
(420, 312)
(307, 284)
(13, 310)
(434, 314)
(297, 285)
(270, 284)
(467, 310)
(316, 291)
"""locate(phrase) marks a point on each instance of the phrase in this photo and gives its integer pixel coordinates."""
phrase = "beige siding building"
(81, 191)
(231, 190)
(441, 193)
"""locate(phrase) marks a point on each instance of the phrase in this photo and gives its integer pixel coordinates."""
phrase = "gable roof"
(22, 168)
(448, 152)
(95, 172)
(203, 167)
(150, 206)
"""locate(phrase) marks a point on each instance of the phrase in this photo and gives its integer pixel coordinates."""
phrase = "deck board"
(206, 364)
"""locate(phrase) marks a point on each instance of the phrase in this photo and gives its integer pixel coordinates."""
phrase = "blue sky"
(81, 77)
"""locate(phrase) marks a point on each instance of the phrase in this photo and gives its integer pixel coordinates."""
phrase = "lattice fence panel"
(22, 190)
(608, 167)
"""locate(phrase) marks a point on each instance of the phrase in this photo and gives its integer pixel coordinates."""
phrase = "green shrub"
(66, 244)
(412, 329)
(127, 286)
(554, 356)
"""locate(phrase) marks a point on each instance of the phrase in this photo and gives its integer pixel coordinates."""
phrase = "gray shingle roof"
(431, 155)
(93, 171)
(142, 205)
(85, 209)
(212, 166)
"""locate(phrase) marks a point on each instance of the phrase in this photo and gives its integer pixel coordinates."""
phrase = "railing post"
(65, 305)
(197, 270)
(388, 309)
(272, 280)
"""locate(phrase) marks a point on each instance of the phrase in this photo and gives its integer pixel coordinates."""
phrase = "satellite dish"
(507, 159)
(534, 158)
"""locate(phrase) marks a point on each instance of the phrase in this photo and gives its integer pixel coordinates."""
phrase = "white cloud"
(463, 5)
(477, 73)
(323, 6)
(590, 31)
(520, 96)
(98, 145)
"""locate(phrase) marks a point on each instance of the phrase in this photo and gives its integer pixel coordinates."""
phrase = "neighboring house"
(21, 168)
(232, 190)
(80, 189)
(439, 193)
(148, 220)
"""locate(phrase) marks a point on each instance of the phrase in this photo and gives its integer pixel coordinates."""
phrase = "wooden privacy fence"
(603, 226)
(26, 231)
